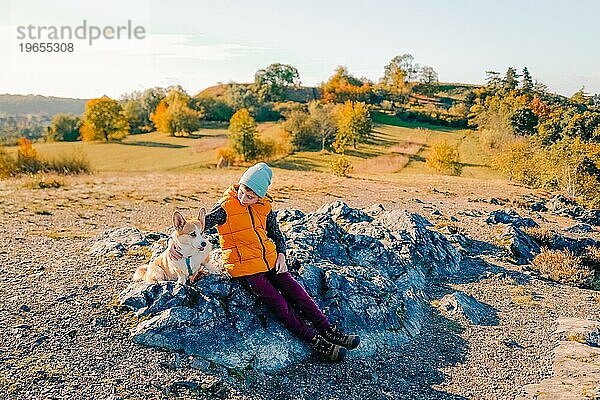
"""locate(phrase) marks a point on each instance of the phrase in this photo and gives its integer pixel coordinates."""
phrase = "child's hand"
(174, 250)
(280, 265)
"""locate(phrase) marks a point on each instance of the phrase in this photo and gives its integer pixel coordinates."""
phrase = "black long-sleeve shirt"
(218, 216)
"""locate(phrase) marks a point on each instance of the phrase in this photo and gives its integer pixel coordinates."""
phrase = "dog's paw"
(201, 273)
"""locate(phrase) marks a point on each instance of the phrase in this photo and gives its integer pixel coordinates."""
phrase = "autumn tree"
(585, 125)
(139, 106)
(539, 107)
(354, 125)
(242, 134)
(271, 82)
(429, 79)
(313, 129)
(64, 127)
(399, 71)
(174, 116)
(342, 87)
(133, 111)
(580, 97)
(324, 122)
(301, 128)
(103, 119)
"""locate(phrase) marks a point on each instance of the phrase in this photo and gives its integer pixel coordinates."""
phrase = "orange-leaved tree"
(174, 114)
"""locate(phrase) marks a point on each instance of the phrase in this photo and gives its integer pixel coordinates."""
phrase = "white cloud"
(112, 66)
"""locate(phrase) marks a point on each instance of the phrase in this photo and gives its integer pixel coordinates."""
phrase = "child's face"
(246, 196)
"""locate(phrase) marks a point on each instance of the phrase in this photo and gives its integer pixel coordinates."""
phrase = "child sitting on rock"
(253, 248)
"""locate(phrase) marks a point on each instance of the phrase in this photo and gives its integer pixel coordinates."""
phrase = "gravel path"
(62, 337)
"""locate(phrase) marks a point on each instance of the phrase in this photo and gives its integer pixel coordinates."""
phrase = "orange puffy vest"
(246, 249)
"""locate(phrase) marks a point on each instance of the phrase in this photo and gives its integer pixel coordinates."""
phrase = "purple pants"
(281, 292)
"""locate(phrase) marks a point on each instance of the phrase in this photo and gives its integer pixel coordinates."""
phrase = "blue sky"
(199, 43)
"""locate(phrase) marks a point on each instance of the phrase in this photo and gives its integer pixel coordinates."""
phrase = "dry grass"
(591, 255)
(444, 158)
(142, 252)
(576, 337)
(44, 181)
(209, 144)
(562, 266)
(386, 164)
(452, 226)
(341, 166)
(66, 234)
(60, 163)
(543, 236)
(521, 296)
(406, 147)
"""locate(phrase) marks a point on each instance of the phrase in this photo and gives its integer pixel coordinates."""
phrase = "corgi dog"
(188, 235)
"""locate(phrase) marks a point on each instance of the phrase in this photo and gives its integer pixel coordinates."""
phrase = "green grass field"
(400, 147)
(144, 152)
(397, 147)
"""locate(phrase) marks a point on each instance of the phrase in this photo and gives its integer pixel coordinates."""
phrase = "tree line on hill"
(172, 110)
(539, 138)
(338, 116)
(536, 137)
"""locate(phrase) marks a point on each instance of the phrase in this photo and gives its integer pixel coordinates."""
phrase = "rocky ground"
(62, 335)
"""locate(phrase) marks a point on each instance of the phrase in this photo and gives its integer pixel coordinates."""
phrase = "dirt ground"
(61, 336)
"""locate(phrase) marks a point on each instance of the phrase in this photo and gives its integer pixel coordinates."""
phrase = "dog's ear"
(201, 217)
(178, 221)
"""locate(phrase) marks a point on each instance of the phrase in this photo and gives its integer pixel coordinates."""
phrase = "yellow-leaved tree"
(103, 119)
(354, 125)
(242, 134)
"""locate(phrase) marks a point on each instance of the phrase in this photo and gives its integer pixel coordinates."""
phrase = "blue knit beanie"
(258, 178)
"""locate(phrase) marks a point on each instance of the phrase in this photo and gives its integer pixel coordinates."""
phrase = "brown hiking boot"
(327, 349)
(334, 335)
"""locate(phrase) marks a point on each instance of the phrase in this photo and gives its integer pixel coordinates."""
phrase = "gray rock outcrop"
(367, 269)
(459, 304)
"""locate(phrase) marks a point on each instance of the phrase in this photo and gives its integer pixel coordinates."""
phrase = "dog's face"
(190, 233)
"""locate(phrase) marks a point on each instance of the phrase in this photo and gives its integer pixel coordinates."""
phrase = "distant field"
(400, 147)
(145, 152)
(397, 148)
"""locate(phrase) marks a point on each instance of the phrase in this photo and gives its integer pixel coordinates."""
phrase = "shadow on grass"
(472, 165)
(416, 157)
(380, 118)
(362, 153)
(380, 140)
(296, 164)
(154, 144)
(203, 136)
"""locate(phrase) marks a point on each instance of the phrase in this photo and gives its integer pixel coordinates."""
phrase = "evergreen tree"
(511, 79)
(527, 81)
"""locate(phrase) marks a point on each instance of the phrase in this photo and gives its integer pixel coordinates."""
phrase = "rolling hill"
(16, 104)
